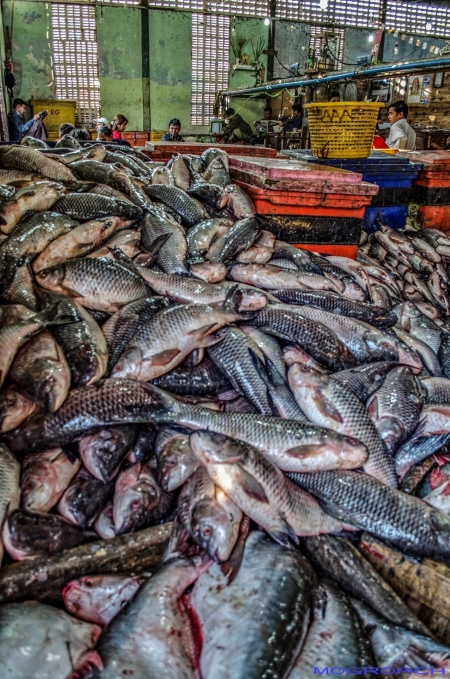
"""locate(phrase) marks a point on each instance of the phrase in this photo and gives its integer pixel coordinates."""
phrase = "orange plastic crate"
(273, 202)
(435, 217)
(350, 251)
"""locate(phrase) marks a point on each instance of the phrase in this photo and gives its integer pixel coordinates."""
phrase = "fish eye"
(88, 583)
(206, 531)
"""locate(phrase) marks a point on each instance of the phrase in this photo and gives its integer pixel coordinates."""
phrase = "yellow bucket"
(342, 129)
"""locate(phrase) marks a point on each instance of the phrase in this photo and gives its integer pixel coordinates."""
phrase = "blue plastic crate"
(393, 216)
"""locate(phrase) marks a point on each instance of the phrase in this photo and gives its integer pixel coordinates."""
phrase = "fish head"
(300, 375)
(177, 463)
(52, 387)
(129, 364)
(83, 592)
(52, 277)
(132, 506)
(14, 409)
(212, 448)
(252, 300)
(213, 530)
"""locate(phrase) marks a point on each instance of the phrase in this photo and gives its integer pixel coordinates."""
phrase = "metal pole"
(372, 71)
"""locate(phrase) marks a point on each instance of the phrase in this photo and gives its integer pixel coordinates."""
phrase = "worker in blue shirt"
(17, 126)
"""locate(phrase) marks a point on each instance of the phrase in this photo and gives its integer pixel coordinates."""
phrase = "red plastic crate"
(135, 138)
(285, 169)
(165, 150)
(435, 217)
(350, 251)
(350, 204)
(437, 180)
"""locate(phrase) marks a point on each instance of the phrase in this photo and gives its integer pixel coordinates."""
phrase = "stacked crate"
(431, 190)
(315, 207)
(393, 174)
(164, 150)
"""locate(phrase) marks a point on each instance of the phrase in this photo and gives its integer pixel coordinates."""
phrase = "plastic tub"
(393, 216)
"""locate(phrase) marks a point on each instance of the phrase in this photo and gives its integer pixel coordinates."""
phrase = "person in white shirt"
(402, 135)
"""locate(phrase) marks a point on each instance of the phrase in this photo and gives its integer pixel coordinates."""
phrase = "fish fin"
(70, 450)
(268, 372)
(164, 357)
(325, 406)
(251, 486)
(233, 299)
(70, 291)
(231, 567)
(204, 329)
(289, 530)
(8, 271)
(372, 408)
(280, 537)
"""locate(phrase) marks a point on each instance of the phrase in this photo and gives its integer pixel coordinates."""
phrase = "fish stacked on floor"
(164, 357)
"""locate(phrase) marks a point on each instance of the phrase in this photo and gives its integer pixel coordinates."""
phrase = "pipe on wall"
(372, 71)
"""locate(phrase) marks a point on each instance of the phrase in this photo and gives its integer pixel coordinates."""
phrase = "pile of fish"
(163, 357)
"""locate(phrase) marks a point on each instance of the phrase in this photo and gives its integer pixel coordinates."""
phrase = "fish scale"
(314, 337)
(9, 486)
(172, 254)
(190, 210)
(400, 519)
(84, 206)
(31, 160)
(84, 412)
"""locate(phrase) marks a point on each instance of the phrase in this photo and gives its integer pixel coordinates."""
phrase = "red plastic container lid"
(168, 148)
(285, 168)
(427, 157)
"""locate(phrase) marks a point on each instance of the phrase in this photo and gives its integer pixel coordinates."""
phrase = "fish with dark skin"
(315, 338)
(190, 210)
(30, 160)
(237, 238)
(331, 404)
(84, 498)
(102, 453)
(26, 534)
(341, 561)
(199, 380)
(86, 411)
(125, 323)
(260, 489)
(365, 379)
(245, 635)
(40, 369)
(21, 289)
(171, 255)
(402, 520)
(201, 236)
(45, 477)
(85, 206)
(395, 407)
(337, 304)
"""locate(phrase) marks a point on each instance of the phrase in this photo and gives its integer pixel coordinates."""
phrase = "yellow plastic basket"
(342, 129)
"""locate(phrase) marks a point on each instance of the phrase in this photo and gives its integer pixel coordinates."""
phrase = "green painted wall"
(31, 41)
(170, 69)
(120, 63)
(119, 38)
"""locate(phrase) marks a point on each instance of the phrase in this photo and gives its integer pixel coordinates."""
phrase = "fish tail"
(8, 268)
(57, 314)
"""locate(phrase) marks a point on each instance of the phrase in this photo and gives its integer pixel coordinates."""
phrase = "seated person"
(65, 128)
(105, 134)
(17, 126)
(118, 126)
(264, 125)
(402, 135)
(296, 120)
(101, 122)
(80, 134)
(236, 129)
(174, 131)
(334, 96)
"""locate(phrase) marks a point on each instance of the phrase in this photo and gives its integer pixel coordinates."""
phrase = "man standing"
(17, 126)
(402, 135)
(236, 130)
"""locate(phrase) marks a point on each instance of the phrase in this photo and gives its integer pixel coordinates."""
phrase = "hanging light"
(371, 37)
(323, 4)
(267, 21)
(428, 26)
